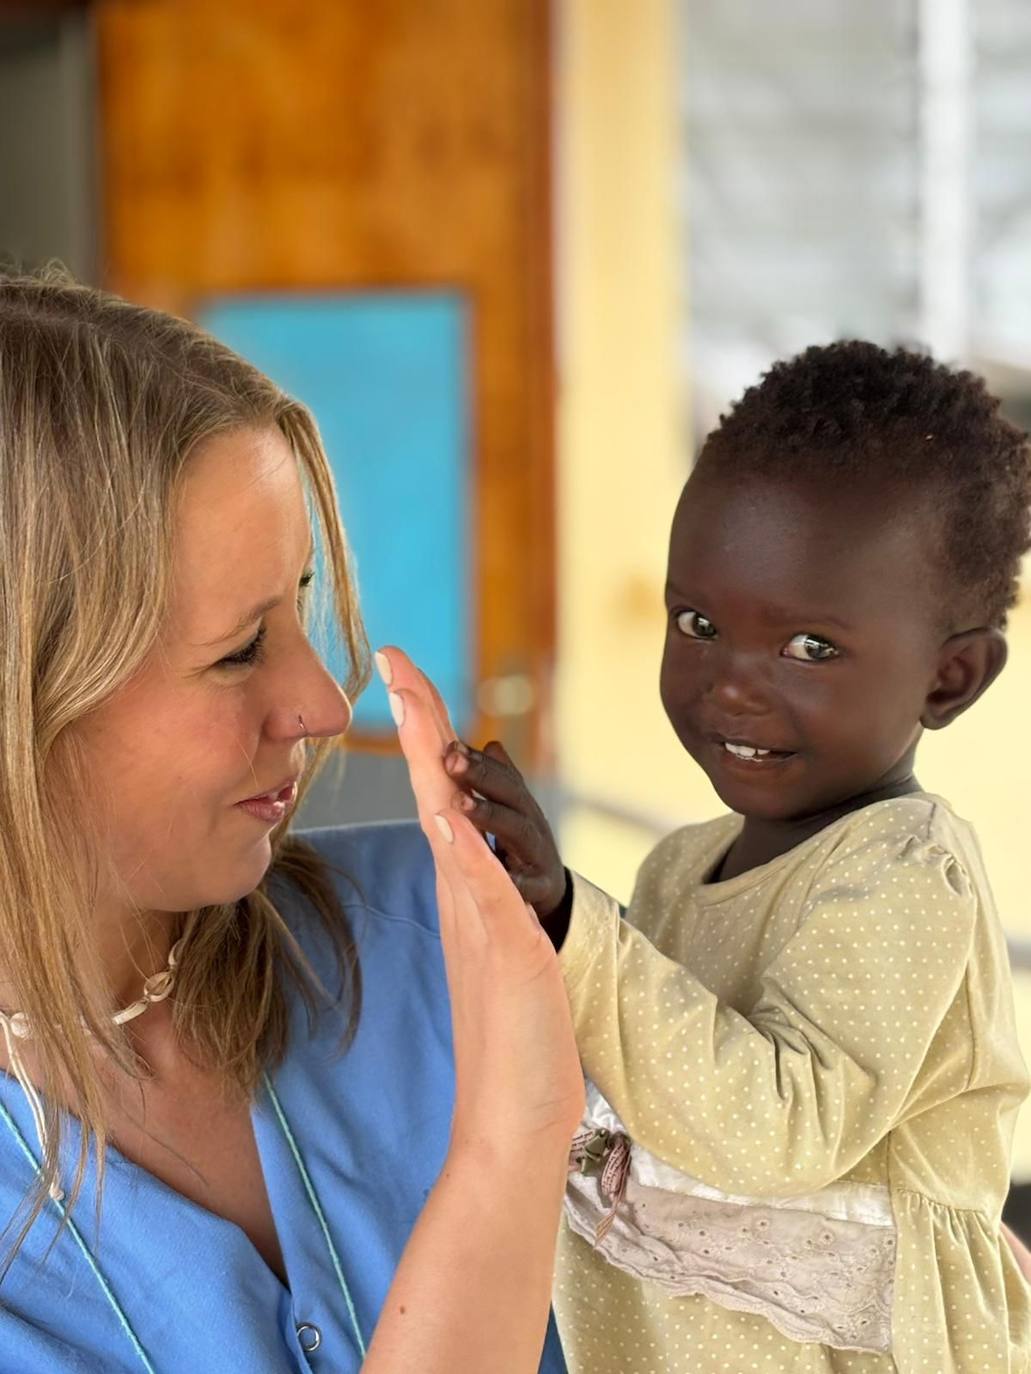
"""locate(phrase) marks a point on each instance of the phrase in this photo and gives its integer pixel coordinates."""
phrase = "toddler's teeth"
(746, 751)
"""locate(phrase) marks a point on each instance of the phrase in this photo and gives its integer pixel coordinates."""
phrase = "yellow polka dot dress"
(803, 1083)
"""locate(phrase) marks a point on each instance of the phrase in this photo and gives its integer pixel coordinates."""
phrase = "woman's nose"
(329, 717)
(309, 703)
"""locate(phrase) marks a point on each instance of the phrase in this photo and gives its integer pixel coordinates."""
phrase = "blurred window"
(1001, 182)
(856, 170)
(802, 182)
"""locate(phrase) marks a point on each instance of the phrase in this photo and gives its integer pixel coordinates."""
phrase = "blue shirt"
(350, 1145)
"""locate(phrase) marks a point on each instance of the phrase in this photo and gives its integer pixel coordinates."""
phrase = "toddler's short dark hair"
(864, 414)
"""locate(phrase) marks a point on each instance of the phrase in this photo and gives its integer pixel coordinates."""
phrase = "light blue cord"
(105, 1288)
(313, 1198)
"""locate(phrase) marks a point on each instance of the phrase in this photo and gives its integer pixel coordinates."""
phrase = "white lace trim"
(819, 1267)
(863, 1202)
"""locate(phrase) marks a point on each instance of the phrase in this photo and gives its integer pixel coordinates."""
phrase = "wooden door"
(256, 145)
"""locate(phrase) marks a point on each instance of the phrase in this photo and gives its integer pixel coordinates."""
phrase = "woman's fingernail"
(397, 708)
(445, 829)
(465, 802)
(383, 667)
(457, 747)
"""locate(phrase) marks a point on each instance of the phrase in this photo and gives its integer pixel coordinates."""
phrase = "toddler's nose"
(737, 691)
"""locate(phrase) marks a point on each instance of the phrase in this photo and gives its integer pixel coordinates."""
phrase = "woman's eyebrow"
(255, 613)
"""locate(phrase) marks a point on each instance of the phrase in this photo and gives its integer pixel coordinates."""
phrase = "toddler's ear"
(968, 664)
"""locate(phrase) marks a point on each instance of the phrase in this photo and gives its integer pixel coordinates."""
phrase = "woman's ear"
(968, 664)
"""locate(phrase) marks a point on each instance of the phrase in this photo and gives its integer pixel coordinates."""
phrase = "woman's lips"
(270, 807)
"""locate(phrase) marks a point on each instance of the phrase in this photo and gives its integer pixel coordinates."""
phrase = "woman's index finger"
(400, 673)
(421, 738)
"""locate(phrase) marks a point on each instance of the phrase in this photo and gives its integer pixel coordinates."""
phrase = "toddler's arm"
(787, 1096)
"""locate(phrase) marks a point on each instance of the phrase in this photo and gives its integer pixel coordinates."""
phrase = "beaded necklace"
(16, 1026)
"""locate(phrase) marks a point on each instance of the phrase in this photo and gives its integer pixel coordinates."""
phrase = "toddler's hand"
(496, 799)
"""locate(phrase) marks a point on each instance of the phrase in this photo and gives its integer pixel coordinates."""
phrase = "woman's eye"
(695, 625)
(250, 653)
(306, 581)
(810, 648)
(254, 651)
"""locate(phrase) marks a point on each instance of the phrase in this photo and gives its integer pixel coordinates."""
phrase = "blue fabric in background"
(386, 376)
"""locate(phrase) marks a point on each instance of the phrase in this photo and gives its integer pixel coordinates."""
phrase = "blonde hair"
(102, 404)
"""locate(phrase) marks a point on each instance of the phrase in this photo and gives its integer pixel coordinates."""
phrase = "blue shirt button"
(310, 1337)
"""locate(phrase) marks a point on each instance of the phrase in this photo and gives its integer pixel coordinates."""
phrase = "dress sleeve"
(788, 1097)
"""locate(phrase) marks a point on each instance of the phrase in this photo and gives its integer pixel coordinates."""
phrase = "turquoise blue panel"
(386, 375)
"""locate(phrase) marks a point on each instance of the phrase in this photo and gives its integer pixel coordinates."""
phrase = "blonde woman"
(228, 1086)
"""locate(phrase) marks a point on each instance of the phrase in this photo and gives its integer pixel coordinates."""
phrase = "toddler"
(799, 1039)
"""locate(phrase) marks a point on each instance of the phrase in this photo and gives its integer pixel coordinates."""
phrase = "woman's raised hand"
(473, 1287)
(518, 1075)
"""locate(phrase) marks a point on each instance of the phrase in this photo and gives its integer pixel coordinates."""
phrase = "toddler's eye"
(810, 648)
(695, 626)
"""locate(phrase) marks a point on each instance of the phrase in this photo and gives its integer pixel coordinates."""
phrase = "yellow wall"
(981, 765)
(621, 418)
(623, 456)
